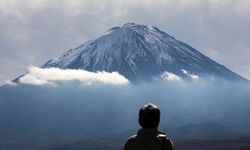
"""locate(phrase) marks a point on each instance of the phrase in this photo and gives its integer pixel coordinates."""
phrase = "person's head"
(149, 116)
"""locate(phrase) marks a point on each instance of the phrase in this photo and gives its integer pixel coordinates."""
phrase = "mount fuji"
(141, 52)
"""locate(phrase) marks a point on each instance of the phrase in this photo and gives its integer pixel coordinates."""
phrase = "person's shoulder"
(130, 141)
(162, 136)
(166, 140)
(131, 138)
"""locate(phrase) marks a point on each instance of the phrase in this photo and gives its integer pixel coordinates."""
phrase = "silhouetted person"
(149, 137)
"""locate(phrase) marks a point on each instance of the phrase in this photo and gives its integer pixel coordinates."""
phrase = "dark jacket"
(149, 139)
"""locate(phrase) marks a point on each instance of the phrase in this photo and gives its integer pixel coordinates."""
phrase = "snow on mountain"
(141, 52)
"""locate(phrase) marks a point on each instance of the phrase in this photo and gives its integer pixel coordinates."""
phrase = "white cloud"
(50, 76)
(192, 76)
(8, 83)
(170, 76)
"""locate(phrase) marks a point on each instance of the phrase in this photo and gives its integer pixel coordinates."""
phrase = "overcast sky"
(34, 31)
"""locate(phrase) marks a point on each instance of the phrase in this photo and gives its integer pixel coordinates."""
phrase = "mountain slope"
(141, 52)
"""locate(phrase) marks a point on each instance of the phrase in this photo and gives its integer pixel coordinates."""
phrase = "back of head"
(149, 116)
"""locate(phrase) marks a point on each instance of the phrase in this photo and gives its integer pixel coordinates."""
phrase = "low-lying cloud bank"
(50, 76)
(169, 76)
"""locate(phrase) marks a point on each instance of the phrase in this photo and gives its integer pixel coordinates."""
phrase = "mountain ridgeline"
(141, 52)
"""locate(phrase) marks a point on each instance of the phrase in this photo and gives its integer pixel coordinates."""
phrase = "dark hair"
(149, 116)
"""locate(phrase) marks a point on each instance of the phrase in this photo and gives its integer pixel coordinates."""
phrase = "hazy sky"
(34, 31)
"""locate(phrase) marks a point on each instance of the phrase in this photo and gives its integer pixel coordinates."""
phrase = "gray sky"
(34, 31)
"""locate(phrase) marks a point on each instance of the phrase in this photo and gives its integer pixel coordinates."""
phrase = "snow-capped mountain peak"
(140, 52)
